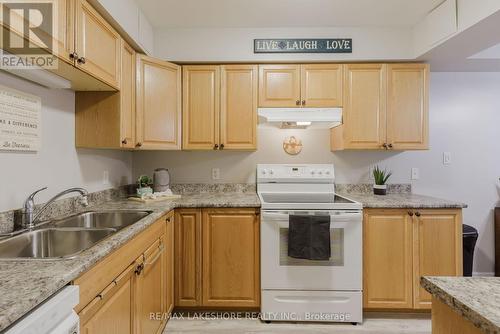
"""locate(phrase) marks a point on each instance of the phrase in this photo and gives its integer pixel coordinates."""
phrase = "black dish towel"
(309, 237)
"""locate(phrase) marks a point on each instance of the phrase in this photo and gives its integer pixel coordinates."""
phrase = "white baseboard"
(487, 274)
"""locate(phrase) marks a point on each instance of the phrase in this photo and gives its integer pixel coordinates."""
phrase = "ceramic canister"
(161, 179)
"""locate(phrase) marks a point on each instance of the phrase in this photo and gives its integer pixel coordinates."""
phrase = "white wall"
(464, 120)
(58, 165)
(236, 44)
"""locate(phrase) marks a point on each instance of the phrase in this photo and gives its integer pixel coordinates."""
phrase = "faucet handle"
(29, 203)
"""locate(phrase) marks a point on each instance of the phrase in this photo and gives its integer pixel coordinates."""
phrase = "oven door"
(343, 271)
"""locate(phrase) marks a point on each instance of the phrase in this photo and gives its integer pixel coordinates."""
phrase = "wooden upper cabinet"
(231, 254)
(438, 242)
(66, 30)
(279, 85)
(407, 106)
(127, 96)
(158, 104)
(187, 257)
(201, 104)
(97, 45)
(321, 85)
(364, 112)
(107, 119)
(387, 259)
(238, 109)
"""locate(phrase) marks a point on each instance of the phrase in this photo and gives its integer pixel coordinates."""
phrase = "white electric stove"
(308, 290)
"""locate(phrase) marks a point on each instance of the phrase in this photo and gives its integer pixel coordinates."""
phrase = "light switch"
(415, 173)
(446, 158)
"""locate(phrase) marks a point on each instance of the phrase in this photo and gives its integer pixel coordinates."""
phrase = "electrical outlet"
(415, 174)
(446, 158)
(215, 173)
(105, 177)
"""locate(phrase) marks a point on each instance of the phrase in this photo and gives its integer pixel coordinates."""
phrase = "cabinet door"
(438, 248)
(187, 245)
(158, 104)
(151, 289)
(112, 311)
(66, 29)
(321, 85)
(201, 107)
(98, 45)
(407, 106)
(169, 260)
(387, 262)
(238, 118)
(364, 112)
(231, 275)
(127, 97)
(279, 85)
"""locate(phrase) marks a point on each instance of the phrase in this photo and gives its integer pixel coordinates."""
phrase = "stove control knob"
(320, 173)
(313, 172)
(327, 172)
(264, 172)
(271, 172)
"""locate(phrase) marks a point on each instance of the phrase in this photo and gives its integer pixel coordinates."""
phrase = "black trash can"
(469, 243)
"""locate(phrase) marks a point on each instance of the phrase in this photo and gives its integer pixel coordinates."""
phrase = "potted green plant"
(380, 176)
(144, 183)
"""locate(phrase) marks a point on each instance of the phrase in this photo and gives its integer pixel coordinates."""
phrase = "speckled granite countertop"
(477, 299)
(401, 200)
(26, 283)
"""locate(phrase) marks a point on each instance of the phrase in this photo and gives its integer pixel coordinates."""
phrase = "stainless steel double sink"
(65, 238)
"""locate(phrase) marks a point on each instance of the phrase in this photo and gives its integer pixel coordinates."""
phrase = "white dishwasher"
(54, 316)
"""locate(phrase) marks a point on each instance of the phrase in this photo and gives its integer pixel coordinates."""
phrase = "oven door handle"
(346, 216)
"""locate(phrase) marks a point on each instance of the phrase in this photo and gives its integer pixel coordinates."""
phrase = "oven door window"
(337, 250)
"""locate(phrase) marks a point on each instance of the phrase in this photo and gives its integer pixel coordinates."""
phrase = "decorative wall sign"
(20, 120)
(292, 145)
(303, 45)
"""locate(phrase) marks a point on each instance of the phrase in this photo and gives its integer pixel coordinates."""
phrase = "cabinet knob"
(390, 145)
(81, 60)
(138, 144)
(139, 269)
(297, 102)
(124, 141)
(221, 146)
(303, 102)
(384, 145)
(417, 214)
(73, 55)
(216, 146)
(410, 213)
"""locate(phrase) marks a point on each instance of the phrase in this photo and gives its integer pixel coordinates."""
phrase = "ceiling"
(284, 13)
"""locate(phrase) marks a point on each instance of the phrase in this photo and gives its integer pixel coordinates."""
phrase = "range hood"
(300, 118)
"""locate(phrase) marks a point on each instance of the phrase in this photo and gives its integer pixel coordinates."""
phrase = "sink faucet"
(29, 218)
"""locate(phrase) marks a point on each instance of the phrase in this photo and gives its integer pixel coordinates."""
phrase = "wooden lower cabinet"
(169, 263)
(402, 245)
(231, 258)
(217, 254)
(121, 292)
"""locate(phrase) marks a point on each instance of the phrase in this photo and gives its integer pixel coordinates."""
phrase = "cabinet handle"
(81, 60)
(124, 141)
(297, 102)
(221, 146)
(417, 214)
(138, 144)
(410, 213)
(303, 102)
(216, 146)
(139, 269)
